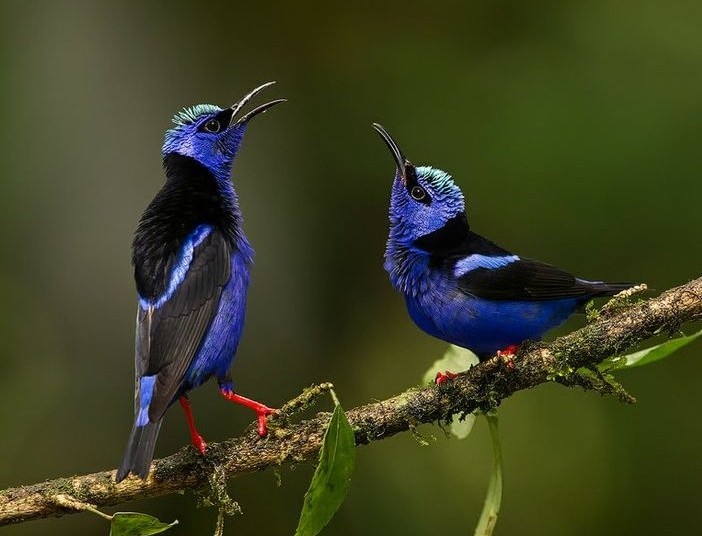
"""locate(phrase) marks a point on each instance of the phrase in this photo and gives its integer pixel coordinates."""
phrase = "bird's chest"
(436, 304)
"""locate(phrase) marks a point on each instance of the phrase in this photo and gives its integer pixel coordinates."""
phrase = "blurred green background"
(573, 127)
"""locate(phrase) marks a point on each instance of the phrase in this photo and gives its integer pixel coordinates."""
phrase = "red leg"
(507, 355)
(441, 377)
(195, 437)
(262, 411)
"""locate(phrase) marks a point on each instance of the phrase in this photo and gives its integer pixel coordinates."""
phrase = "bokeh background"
(573, 127)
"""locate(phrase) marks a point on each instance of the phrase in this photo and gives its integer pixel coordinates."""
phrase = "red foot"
(262, 411)
(195, 437)
(507, 354)
(441, 377)
(510, 350)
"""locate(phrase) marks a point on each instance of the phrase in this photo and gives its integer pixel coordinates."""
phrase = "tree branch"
(618, 327)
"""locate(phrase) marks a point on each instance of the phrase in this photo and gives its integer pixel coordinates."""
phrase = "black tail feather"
(139, 452)
(610, 289)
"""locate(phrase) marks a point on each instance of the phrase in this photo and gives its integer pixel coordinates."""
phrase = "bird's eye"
(418, 193)
(212, 126)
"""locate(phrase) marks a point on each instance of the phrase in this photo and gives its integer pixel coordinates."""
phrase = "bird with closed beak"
(459, 286)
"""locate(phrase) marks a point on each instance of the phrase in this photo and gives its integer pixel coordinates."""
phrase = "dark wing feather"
(531, 280)
(168, 337)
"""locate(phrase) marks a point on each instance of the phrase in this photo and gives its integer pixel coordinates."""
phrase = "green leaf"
(331, 478)
(648, 355)
(456, 359)
(462, 428)
(136, 524)
(493, 498)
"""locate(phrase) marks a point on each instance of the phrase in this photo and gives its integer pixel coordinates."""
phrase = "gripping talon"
(262, 417)
(441, 377)
(262, 411)
(507, 355)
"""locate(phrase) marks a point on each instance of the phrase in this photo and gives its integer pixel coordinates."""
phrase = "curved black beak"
(236, 108)
(401, 162)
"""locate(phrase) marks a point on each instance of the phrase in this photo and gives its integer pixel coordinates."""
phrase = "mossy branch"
(620, 327)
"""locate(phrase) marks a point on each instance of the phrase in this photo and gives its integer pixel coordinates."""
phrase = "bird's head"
(212, 135)
(423, 199)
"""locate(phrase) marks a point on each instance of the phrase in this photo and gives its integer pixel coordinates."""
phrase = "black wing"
(519, 279)
(531, 280)
(168, 336)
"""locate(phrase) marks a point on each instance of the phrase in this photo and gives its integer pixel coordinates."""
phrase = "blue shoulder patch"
(180, 268)
(146, 391)
(475, 261)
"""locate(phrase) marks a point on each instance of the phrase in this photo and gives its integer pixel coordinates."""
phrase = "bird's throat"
(408, 261)
(447, 239)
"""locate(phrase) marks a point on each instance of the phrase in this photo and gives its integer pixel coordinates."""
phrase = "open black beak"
(236, 108)
(401, 163)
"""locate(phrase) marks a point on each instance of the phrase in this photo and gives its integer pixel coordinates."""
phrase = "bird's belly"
(217, 350)
(485, 326)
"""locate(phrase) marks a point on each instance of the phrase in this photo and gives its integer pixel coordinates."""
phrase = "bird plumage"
(461, 287)
(191, 266)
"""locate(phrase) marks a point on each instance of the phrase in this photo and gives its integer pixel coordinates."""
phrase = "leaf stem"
(334, 397)
(493, 497)
(67, 501)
